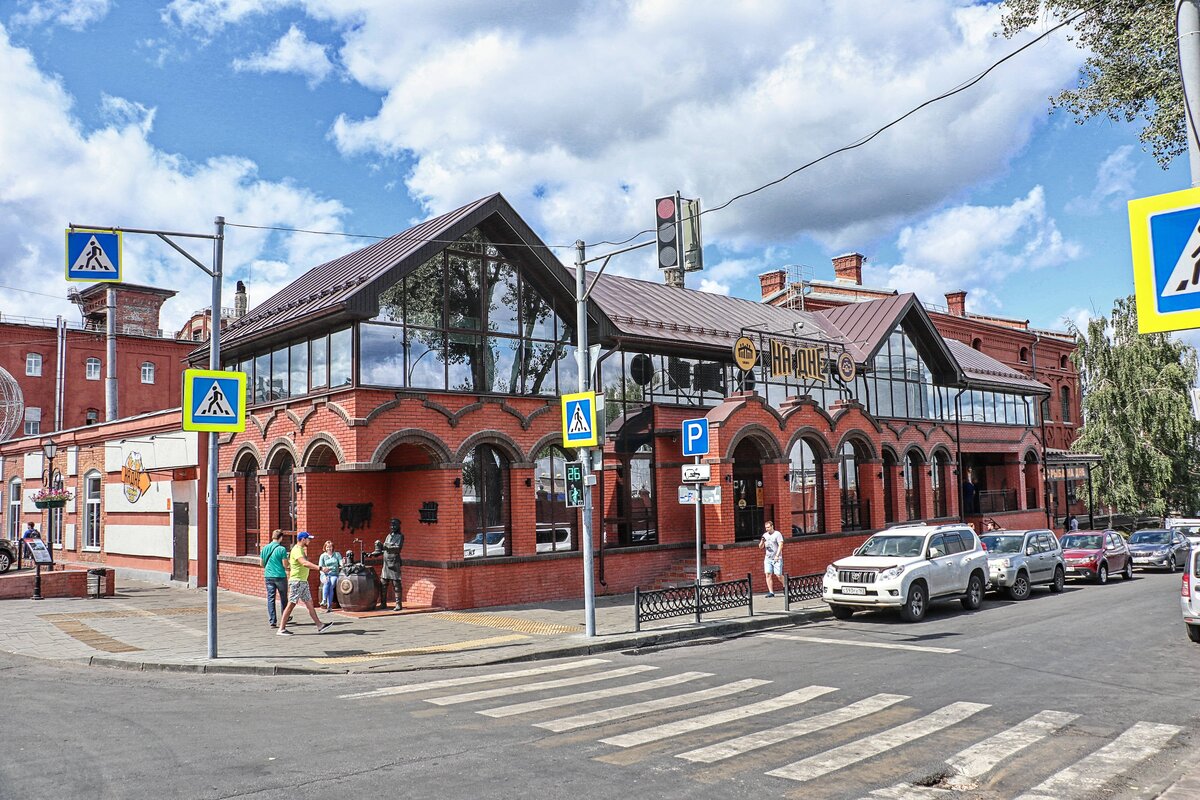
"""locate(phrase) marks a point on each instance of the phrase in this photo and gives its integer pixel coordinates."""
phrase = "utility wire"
(373, 236)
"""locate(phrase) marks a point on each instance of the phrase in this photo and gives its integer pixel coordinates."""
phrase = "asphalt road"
(1088, 694)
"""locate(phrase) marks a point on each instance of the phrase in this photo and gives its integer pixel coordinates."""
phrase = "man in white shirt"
(772, 542)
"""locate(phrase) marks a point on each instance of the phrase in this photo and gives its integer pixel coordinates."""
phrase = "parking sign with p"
(695, 437)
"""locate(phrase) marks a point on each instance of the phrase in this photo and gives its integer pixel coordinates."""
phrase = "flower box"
(50, 503)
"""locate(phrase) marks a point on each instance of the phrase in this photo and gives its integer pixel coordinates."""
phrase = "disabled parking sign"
(1164, 232)
(214, 400)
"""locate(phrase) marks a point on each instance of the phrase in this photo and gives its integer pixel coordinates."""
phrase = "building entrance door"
(747, 491)
(179, 541)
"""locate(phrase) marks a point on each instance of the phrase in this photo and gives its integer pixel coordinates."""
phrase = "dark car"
(1159, 549)
(1095, 555)
(8, 554)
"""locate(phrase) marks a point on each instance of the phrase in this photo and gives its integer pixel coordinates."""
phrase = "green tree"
(1137, 414)
(1132, 71)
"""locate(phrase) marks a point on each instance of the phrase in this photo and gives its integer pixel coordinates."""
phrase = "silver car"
(1159, 549)
(1020, 560)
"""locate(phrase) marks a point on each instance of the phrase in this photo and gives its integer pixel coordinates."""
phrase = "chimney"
(772, 282)
(957, 303)
(239, 301)
(848, 268)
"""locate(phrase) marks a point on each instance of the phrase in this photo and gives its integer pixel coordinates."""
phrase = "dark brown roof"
(867, 325)
(982, 369)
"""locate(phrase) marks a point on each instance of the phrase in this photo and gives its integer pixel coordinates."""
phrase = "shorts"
(773, 566)
(298, 592)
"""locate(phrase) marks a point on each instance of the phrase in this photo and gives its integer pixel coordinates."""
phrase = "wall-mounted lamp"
(881, 474)
(728, 478)
(457, 482)
(299, 488)
(228, 489)
(261, 488)
(529, 482)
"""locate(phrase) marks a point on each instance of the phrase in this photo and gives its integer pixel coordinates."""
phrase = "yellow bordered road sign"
(93, 256)
(579, 420)
(1164, 232)
(214, 400)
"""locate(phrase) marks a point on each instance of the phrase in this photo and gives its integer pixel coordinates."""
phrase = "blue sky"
(366, 116)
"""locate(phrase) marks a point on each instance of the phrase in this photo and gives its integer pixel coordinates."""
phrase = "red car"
(1096, 554)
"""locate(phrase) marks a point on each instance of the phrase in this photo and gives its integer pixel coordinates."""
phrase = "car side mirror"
(1029, 550)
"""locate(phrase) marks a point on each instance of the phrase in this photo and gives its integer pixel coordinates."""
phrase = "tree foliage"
(1137, 414)
(1132, 71)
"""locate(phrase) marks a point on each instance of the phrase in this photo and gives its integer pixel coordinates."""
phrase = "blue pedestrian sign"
(214, 400)
(93, 256)
(695, 437)
(579, 419)
(1164, 234)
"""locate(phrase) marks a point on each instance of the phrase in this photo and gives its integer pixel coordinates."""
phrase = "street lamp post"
(50, 450)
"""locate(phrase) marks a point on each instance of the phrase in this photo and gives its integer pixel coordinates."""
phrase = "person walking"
(298, 589)
(1072, 523)
(331, 564)
(772, 543)
(274, 560)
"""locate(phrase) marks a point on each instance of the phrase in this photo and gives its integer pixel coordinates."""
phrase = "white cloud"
(294, 52)
(53, 172)
(715, 287)
(1114, 183)
(211, 16)
(73, 14)
(976, 248)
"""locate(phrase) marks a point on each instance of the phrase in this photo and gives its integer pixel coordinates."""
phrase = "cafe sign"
(802, 363)
(135, 477)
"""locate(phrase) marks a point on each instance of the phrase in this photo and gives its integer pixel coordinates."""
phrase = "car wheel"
(913, 609)
(5, 561)
(1193, 632)
(1102, 574)
(974, 596)
(1020, 588)
(842, 612)
(1171, 565)
(1060, 580)
(1127, 574)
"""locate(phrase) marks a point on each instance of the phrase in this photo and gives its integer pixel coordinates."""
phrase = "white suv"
(907, 567)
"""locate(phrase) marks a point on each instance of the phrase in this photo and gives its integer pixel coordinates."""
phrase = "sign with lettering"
(802, 363)
(745, 353)
(135, 477)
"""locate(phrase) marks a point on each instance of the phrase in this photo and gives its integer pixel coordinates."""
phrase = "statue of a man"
(391, 566)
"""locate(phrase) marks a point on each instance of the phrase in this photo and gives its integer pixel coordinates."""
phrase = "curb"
(633, 642)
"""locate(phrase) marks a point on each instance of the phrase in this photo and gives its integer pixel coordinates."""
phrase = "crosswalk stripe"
(917, 648)
(669, 729)
(1089, 775)
(853, 752)
(467, 680)
(506, 691)
(793, 730)
(980, 759)
(583, 697)
(910, 791)
(635, 709)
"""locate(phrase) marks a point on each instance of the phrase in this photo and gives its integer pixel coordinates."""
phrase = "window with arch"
(557, 525)
(1063, 362)
(285, 482)
(91, 369)
(1065, 396)
(1023, 357)
(91, 416)
(629, 498)
(856, 511)
(54, 516)
(91, 512)
(14, 508)
(912, 484)
(250, 493)
(485, 489)
(33, 364)
(805, 482)
(147, 372)
(890, 465)
(937, 479)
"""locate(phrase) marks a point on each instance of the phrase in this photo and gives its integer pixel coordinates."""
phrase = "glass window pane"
(341, 356)
(318, 361)
(299, 368)
(380, 355)
(465, 362)
(539, 368)
(568, 371)
(279, 374)
(426, 365)
(262, 378)
(391, 303)
(502, 367)
(502, 298)
(464, 296)
(537, 316)
(423, 294)
(899, 407)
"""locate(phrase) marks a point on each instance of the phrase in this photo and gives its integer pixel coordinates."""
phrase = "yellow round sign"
(845, 367)
(745, 353)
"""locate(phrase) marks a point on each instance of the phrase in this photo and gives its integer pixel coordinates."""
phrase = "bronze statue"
(390, 548)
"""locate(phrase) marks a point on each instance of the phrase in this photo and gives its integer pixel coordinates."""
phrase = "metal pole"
(581, 356)
(60, 367)
(1188, 16)
(110, 382)
(214, 363)
(699, 500)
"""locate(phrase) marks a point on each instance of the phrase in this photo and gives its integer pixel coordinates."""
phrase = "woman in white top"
(330, 564)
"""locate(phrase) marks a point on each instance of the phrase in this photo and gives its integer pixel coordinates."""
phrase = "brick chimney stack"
(772, 282)
(957, 303)
(848, 268)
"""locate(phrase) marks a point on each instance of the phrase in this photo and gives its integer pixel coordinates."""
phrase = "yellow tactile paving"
(470, 644)
(511, 623)
(90, 636)
(126, 613)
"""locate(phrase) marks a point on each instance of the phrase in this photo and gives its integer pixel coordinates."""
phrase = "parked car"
(1188, 526)
(1159, 549)
(906, 568)
(1020, 560)
(1094, 555)
(8, 554)
(1189, 596)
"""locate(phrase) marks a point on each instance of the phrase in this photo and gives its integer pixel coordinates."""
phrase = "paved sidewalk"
(148, 626)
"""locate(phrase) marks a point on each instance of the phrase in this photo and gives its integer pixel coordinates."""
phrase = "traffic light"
(573, 473)
(666, 219)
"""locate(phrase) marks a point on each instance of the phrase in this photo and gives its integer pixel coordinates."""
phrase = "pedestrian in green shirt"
(298, 589)
(274, 560)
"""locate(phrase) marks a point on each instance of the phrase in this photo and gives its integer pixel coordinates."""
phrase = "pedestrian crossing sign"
(214, 400)
(579, 419)
(93, 256)
(1164, 231)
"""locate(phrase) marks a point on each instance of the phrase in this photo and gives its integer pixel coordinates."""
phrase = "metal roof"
(983, 369)
(867, 325)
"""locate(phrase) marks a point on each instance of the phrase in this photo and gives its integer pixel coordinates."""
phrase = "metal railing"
(124, 330)
(992, 501)
(801, 587)
(683, 601)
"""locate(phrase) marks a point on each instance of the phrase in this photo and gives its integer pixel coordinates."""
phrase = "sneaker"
(284, 632)
(770, 594)
(274, 624)
(324, 627)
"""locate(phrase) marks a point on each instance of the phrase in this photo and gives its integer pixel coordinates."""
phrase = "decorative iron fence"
(801, 587)
(683, 601)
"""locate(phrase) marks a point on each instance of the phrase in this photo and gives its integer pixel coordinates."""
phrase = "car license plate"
(854, 590)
